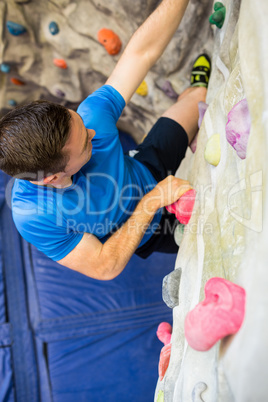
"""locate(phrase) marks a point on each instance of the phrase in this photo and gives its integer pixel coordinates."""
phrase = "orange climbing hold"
(60, 63)
(110, 41)
(16, 81)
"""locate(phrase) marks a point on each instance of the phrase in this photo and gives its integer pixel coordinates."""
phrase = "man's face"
(78, 145)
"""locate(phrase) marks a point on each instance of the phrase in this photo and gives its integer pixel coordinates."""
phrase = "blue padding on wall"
(23, 356)
(99, 336)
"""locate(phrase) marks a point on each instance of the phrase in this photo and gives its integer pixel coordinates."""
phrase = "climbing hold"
(15, 29)
(143, 89)
(164, 361)
(16, 81)
(178, 234)
(193, 144)
(170, 288)
(202, 107)
(213, 150)
(160, 396)
(218, 17)
(110, 41)
(5, 68)
(60, 93)
(61, 63)
(53, 28)
(168, 90)
(183, 208)
(164, 332)
(12, 102)
(198, 390)
(220, 314)
(238, 128)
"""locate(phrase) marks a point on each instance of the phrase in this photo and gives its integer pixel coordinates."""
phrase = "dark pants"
(162, 152)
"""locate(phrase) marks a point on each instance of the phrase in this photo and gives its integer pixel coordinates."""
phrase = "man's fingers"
(183, 189)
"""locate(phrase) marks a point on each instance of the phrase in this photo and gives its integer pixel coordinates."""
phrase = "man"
(82, 201)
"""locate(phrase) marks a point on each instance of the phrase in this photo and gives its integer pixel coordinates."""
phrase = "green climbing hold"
(160, 396)
(218, 16)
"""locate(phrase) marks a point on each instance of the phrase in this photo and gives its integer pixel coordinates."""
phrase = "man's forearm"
(155, 33)
(119, 248)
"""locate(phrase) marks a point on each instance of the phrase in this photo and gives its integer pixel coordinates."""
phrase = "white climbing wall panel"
(227, 234)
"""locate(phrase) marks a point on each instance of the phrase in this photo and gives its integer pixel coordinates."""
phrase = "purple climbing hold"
(169, 91)
(53, 28)
(202, 107)
(5, 68)
(238, 128)
(60, 93)
(15, 29)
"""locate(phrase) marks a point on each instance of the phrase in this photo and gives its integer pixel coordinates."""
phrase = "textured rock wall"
(31, 55)
(227, 234)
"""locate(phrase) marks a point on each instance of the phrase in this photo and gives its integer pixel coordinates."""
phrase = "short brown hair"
(31, 139)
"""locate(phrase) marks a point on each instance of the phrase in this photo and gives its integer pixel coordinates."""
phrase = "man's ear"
(50, 179)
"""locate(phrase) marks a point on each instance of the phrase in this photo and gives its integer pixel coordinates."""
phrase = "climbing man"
(76, 196)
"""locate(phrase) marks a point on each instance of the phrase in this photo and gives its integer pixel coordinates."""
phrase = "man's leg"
(185, 110)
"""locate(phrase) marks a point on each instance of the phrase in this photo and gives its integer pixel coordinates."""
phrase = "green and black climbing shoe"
(201, 71)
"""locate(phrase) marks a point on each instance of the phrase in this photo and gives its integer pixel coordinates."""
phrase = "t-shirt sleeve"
(44, 233)
(101, 110)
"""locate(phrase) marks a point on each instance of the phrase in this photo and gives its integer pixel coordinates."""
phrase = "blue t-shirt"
(103, 195)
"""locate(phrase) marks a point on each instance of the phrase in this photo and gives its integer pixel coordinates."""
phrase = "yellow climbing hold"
(160, 396)
(143, 89)
(213, 150)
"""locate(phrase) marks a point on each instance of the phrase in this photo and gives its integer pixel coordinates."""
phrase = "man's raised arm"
(105, 261)
(146, 46)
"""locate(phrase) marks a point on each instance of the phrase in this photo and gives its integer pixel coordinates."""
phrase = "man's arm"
(106, 261)
(146, 46)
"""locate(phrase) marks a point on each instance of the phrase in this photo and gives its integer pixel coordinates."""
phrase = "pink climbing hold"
(220, 314)
(110, 40)
(238, 128)
(163, 333)
(183, 208)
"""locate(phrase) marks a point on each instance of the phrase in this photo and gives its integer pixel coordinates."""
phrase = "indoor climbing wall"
(62, 50)
(226, 236)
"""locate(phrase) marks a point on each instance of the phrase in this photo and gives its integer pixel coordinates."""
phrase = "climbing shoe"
(201, 71)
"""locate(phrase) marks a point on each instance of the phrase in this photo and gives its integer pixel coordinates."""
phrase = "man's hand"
(106, 261)
(166, 192)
